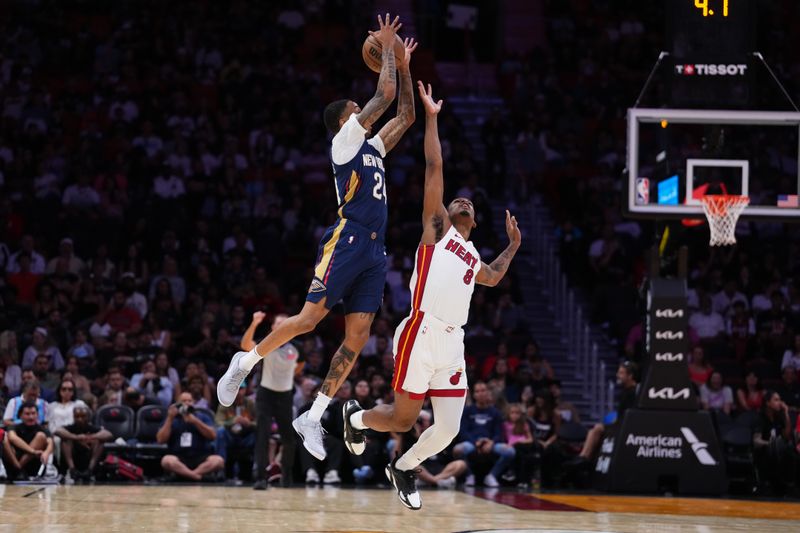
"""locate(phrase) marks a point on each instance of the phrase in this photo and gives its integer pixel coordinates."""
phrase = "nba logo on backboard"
(642, 191)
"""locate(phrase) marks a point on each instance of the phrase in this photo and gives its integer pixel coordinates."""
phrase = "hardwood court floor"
(192, 508)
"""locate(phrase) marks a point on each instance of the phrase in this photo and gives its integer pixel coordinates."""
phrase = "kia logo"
(669, 356)
(669, 335)
(668, 393)
(669, 313)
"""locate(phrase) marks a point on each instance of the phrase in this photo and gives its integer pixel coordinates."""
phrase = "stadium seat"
(118, 419)
(737, 445)
(149, 420)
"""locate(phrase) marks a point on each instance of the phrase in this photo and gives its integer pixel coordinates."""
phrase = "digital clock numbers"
(708, 11)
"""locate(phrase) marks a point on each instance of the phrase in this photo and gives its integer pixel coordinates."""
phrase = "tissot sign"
(704, 69)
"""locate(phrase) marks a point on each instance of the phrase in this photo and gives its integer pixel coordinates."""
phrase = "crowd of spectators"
(163, 177)
(569, 104)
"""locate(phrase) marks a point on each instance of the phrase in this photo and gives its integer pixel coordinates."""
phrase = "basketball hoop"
(722, 212)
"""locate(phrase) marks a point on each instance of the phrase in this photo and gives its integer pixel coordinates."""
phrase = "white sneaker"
(228, 385)
(470, 481)
(490, 481)
(331, 477)
(50, 472)
(311, 432)
(312, 476)
(447, 483)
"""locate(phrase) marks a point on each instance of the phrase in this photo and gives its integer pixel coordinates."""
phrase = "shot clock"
(711, 44)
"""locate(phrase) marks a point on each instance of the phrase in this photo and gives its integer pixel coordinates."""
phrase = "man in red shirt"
(24, 281)
(121, 317)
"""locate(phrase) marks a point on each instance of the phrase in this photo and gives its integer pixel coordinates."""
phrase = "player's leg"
(243, 362)
(399, 416)
(361, 298)
(447, 421)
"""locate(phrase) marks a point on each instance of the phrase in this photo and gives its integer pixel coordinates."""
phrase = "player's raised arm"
(391, 133)
(387, 80)
(435, 221)
(492, 274)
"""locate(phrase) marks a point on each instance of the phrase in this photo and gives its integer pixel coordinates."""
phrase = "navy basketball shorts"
(351, 268)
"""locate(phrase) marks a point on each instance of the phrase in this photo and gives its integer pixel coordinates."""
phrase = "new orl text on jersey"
(370, 160)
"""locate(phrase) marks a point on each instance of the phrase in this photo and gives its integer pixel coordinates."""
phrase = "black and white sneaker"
(354, 438)
(405, 481)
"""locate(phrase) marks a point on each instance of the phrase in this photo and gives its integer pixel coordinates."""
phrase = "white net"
(723, 212)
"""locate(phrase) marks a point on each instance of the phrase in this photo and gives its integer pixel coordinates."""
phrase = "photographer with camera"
(189, 436)
(153, 386)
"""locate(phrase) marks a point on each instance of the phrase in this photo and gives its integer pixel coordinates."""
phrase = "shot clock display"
(711, 44)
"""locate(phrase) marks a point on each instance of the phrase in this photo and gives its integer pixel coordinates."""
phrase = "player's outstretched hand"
(258, 317)
(386, 30)
(512, 229)
(431, 106)
(409, 44)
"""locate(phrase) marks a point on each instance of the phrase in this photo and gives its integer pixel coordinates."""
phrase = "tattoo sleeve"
(341, 364)
(385, 93)
(500, 265)
(391, 133)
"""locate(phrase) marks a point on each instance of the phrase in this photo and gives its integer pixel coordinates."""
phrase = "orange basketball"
(373, 50)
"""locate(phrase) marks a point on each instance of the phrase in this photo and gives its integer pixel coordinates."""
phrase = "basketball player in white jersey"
(429, 343)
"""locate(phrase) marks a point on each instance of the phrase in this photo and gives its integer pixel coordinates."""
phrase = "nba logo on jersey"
(642, 191)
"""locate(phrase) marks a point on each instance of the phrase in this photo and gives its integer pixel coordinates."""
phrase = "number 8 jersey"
(444, 278)
(360, 177)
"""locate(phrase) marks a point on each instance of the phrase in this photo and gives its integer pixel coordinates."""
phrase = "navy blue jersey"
(360, 177)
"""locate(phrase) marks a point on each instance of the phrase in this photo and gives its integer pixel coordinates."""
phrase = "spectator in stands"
(789, 389)
(66, 260)
(481, 434)
(32, 445)
(706, 322)
(741, 330)
(715, 396)
(37, 261)
(152, 385)
(9, 359)
(627, 380)
(59, 412)
(198, 388)
(565, 410)
(751, 396)
(82, 444)
(791, 357)
(517, 433)
(24, 280)
(81, 348)
(509, 317)
(773, 443)
(120, 317)
(48, 380)
(165, 370)
(723, 301)
(114, 389)
(41, 345)
(189, 436)
(29, 395)
(72, 371)
(699, 368)
(236, 425)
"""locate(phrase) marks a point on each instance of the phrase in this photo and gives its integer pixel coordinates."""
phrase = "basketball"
(372, 50)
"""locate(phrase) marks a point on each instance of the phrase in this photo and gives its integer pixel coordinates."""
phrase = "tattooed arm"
(492, 274)
(391, 133)
(435, 221)
(387, 81)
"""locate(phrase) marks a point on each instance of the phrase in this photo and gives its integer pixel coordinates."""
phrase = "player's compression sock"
(405, 464)
(249, 360)
(357, 420)
(318, 407)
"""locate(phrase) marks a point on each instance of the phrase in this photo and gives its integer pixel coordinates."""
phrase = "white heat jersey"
(444, 278)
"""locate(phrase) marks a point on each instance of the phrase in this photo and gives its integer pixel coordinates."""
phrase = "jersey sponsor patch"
(317, 286)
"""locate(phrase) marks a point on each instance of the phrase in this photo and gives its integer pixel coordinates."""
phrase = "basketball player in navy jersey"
(429, 343)
(351, 263)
